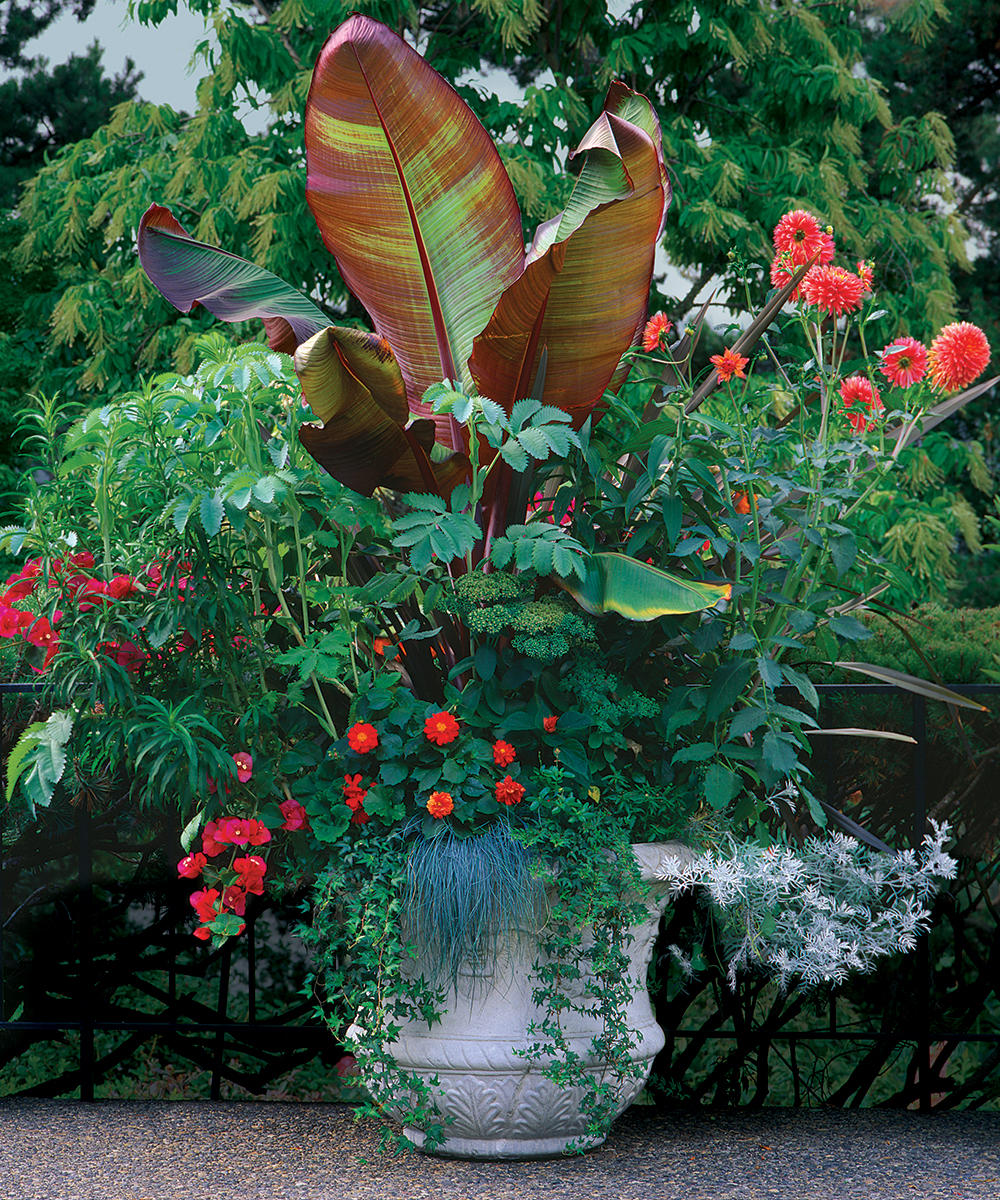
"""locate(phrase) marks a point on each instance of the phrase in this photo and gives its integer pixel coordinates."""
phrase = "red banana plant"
(412, 199)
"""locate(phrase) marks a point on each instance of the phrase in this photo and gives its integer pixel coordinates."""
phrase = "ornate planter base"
(489, 1089)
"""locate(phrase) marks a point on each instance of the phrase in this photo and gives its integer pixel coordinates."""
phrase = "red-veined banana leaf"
(637, 590)
(412, 200)
(354, 385)
(189, 272)
(584, 292)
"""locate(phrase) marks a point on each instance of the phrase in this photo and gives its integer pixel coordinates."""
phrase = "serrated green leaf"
(211, 512)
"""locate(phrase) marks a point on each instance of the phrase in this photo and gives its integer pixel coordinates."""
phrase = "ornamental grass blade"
(911, 683)
(580, 295)
(753, 332)
(639, 591)
(909, 432)
(847, 731)
(353, 384)
(413, 202)
(189, 272)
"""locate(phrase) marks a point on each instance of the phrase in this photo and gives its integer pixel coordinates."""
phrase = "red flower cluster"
(835, 290)
(233, 831)
(354, 798)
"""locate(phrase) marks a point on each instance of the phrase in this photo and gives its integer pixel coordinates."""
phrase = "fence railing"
(68, 953)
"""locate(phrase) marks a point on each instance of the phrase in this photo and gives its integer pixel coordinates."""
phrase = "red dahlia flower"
(503, 754)
(654, 336)
(440, 804)
(859, 391)
(800, 234)
(959, 354)
(729, 364)
(904, 362)
(833, 289)
(508, 791)
(362, 737)
(441, 728)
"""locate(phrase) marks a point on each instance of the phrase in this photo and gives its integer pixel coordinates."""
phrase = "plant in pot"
(561, 631)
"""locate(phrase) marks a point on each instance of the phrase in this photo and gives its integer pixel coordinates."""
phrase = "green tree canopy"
(764, 106)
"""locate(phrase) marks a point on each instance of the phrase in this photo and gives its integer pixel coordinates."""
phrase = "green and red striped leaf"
(353, 384)
(189, 272)
(412, 200)
(581, 296)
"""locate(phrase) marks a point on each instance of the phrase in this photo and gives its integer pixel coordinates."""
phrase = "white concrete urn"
(496, 1103)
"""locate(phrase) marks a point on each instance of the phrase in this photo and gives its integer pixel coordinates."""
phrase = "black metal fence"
(89, 950)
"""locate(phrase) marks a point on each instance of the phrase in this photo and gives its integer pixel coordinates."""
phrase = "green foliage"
(764, 109)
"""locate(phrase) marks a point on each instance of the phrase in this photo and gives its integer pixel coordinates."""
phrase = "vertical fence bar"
(922, 955)
(85, 919)
(220, 1037)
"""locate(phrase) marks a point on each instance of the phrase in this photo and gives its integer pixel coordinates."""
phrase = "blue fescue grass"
(468, 899)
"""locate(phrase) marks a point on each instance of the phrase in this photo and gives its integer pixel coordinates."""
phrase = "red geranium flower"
(833, 289)
(362, 737)
(441, 727)
(904, 362)
(729, 364)
(503, 754)
(654, 336)
(354, 793)
(959, 354)
(549, 724)
(508, 791)
(440, 804)
(360, 817)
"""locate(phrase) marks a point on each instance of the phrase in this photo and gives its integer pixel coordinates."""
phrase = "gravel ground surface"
(66, 1150)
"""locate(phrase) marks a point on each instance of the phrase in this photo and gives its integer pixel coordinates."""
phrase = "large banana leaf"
(580, 297)
(353, 384)
(412, 200)
(637, 590)
(189, 272)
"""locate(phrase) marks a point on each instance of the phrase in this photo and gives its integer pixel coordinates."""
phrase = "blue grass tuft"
(468, 899)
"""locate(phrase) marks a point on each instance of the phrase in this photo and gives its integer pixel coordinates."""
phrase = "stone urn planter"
(491, 1094)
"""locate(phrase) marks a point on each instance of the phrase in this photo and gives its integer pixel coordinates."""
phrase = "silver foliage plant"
(821, 911)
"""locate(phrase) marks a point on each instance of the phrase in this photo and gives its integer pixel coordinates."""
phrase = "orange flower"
(959, 354)
(858, 390)
(800, 234)
(741, 503)
(549, 724)
(362, 737)
(503, 754)
(729, 364)
(441, 727)
(904, 362)
(509, 792)
(866, 273)
(832, 289)
(654, 336)
(440, 804)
